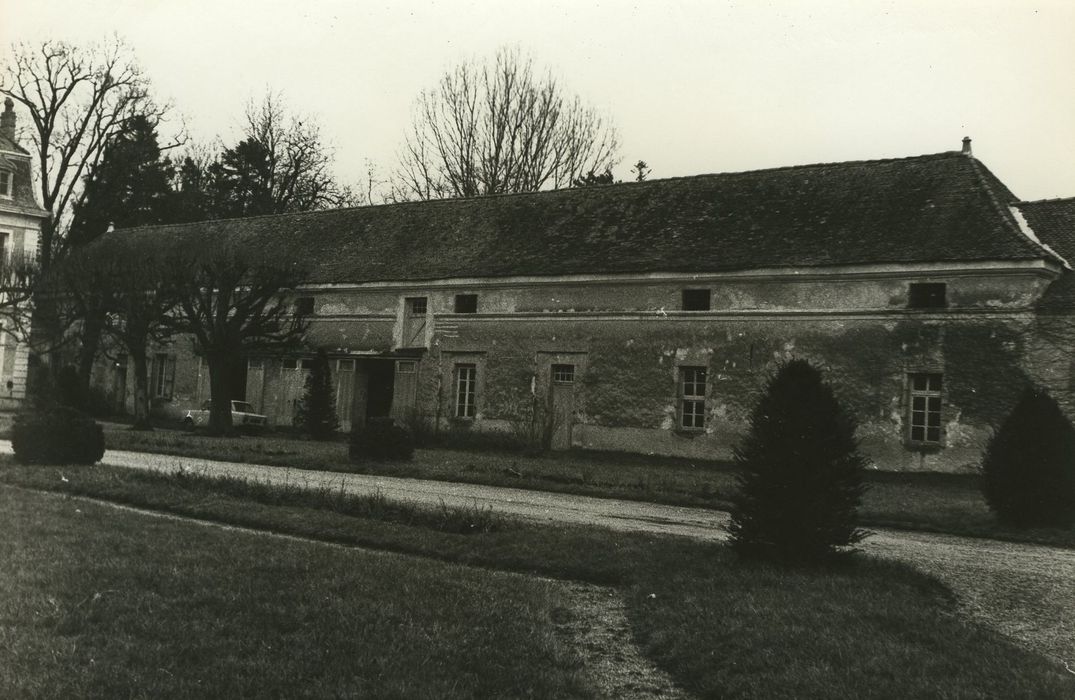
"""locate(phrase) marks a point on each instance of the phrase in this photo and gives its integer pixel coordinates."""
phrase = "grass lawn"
(192, 599)
(932, 502)
(97, 602)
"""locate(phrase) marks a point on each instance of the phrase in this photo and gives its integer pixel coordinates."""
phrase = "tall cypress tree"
(800, 478)
(317, 410)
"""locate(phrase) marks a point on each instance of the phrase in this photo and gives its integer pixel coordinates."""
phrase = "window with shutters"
(162, 376)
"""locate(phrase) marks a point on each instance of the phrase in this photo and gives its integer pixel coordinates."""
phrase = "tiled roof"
(945, 207)
(7, 144)
(23, 199)
(1053, 222)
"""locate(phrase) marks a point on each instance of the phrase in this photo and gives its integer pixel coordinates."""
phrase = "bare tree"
(77, 98)
(233, 300)
(19, 279)
(497, 127)
(281, 165)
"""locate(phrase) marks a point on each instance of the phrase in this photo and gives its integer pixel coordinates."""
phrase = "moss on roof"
(934, 208)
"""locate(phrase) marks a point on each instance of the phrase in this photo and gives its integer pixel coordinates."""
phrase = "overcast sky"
(693, 87)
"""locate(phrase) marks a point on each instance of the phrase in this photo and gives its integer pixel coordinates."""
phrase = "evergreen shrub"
(800, 473)
(1028, 469)
(317, 410)
(381, 438)
(57, 435)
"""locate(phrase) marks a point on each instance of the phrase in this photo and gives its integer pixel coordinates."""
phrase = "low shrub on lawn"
(57, 435)
(381, 439)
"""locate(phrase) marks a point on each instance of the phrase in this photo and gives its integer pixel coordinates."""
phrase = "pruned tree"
(281, 165)
(498, 127)
(234, 299)
(78, 98)
(800, 473)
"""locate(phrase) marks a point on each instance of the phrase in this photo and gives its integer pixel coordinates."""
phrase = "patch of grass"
(873, 630)
(950, 503)
(97, 602)
(722, 629)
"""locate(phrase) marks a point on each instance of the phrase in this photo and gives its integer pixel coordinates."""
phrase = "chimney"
(7, 121)
(966, 146)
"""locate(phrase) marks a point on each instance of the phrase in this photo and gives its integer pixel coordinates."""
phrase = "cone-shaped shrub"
(800, 473)
(1028, 470)
(317, 410)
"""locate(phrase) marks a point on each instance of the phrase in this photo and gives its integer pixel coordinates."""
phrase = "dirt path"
(1027, 592)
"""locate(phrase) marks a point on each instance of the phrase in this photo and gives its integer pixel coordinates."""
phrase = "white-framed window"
(563, 374)
(692, 398)
(466, 390)
(924, 408)
(7, 184)
(162, 376)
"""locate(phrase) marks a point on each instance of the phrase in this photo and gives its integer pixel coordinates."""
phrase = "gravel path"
(1027, 592)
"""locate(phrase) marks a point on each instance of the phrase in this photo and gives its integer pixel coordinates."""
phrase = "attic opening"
(927, 295)
(696, 300)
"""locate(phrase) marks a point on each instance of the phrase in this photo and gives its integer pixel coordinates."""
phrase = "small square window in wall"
(289, 363)
(563, 374)
(466, 390)
(304, 306)
(924, 408)
(466, 303)
(692, 398)
(927, 295)
(345, 366)
(7, 184)
(696, 299)
(417, 305)
(306, 363)
(406, 366)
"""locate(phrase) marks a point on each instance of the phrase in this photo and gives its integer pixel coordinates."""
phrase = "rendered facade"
(21, 218)
(647, 317)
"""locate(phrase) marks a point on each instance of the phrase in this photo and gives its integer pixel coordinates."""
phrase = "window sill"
(923, 447)
(689, 432)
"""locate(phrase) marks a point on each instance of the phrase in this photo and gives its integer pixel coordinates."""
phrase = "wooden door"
(414, 322)
(561, 405)
(345, 391)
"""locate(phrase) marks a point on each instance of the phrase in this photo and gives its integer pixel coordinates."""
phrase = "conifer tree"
(800, 473)
(317, 410)
(1028, 470)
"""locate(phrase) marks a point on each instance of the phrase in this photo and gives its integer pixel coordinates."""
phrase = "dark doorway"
(379, 389)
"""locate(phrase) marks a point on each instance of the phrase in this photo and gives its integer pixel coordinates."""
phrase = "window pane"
(918, 403)
(935, 403)
(934, 419)
(918, 382)
(916, 433)
(933, 434)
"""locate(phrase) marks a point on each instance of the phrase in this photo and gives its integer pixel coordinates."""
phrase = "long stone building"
(647, 316)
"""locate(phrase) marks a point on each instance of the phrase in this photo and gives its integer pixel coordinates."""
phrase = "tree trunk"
(220, 384)
(141, 389)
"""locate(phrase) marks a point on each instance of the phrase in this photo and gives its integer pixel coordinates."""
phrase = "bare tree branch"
(495, 128)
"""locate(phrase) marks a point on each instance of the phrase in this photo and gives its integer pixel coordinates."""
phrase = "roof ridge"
(1048, 200)
(1005, 212)
(562, 190)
